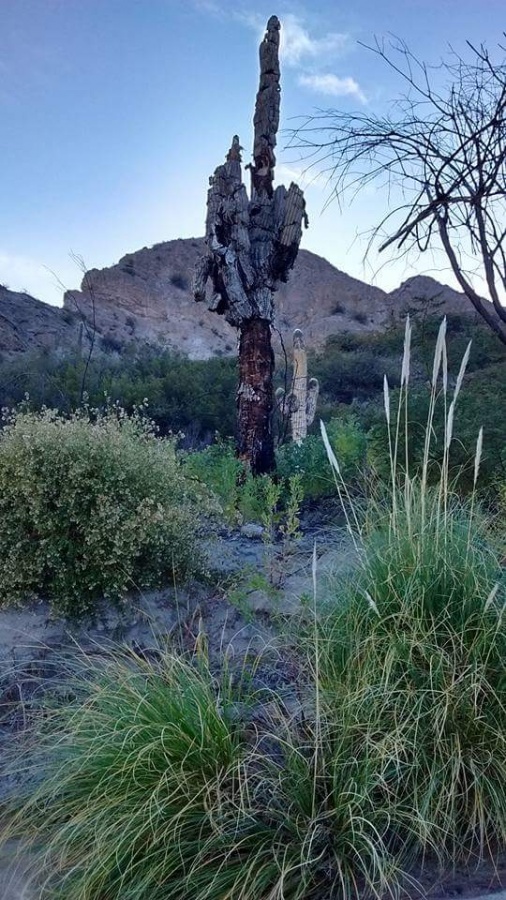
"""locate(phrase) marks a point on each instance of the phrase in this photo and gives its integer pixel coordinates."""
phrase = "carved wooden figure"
(251, 245)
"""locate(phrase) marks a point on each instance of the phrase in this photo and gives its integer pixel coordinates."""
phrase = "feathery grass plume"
(342, 489)
(476, 472)
(448, 434)
(449, 418)
(438, 356)
(491, 597)
(403, 396)
(444, 368)
(406, 353)
(477, 456)
(405, 380)
(462, 371)
(438, 352)
(371, 603)
(449, 425)
(386, 402)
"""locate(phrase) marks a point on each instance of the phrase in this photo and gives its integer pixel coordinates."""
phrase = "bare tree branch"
(444, 150)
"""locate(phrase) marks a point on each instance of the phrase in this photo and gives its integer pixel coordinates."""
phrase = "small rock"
(253, 531)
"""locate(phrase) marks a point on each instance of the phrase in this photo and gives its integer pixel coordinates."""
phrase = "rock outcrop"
(422, 295)
(28, 324)
(146, 297)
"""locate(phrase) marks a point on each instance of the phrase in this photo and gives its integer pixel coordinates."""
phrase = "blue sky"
(115, 112)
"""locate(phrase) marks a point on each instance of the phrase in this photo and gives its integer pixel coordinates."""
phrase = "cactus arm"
(313, 389)
(299, 388)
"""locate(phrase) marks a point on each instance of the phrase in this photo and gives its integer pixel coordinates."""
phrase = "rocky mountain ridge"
(27, 323)
(147, 297)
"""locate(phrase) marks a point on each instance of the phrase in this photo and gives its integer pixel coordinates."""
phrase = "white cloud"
(297, 44)
(333, 85)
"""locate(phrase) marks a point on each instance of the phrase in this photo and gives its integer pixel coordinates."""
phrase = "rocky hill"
(27, 324)
(147, 296)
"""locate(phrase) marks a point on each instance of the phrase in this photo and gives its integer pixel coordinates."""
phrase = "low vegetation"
(350, 369)
(246, 499)
(180, 399)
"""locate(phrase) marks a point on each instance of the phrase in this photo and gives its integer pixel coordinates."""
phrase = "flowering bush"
(89, 506)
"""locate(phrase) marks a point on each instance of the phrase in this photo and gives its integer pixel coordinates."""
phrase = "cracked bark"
(251, 244)
(255, 396)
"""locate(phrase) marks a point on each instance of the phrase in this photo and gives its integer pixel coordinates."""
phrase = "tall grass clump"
(90, 506)
(154, 786)
(134, 771)
(413, 652)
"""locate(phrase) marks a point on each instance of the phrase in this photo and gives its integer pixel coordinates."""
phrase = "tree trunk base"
(255, 397)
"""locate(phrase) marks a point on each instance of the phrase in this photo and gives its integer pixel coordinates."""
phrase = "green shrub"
(246, 499)
(219, 469)
(351, 375)
(309, 459)
(177, 388)
(242, 497)
(89, 509)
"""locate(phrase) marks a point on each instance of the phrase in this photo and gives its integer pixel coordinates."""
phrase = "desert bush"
(110, 344)
(180, 281)
(89, 508)
(242, 497)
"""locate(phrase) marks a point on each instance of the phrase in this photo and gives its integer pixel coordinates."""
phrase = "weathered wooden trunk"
(255, 396)
(251, 246)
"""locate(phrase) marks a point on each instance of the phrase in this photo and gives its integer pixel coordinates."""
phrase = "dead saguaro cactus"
(251, 245)
(300, 405)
